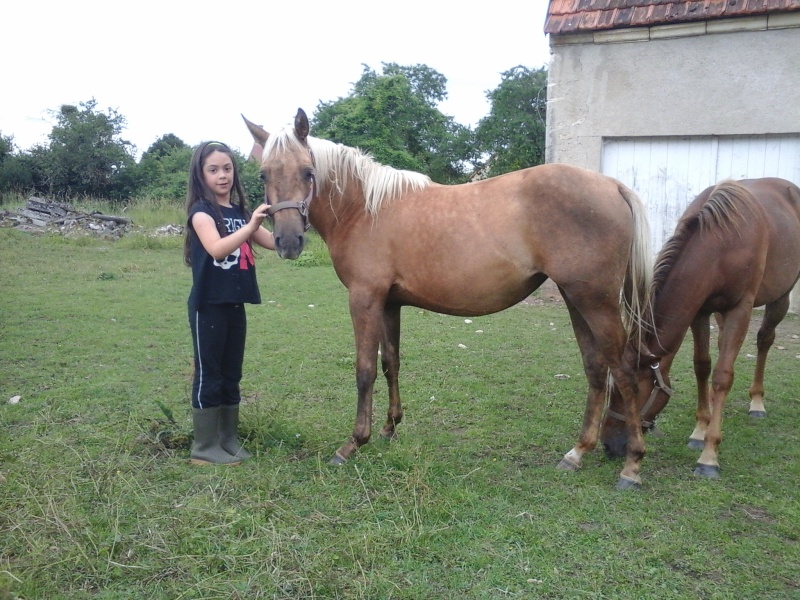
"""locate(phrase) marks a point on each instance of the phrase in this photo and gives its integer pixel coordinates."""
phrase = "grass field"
(97, 499)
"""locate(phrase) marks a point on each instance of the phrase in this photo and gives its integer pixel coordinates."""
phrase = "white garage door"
(668, 172)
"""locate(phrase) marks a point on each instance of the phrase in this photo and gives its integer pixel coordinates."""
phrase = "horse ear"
(260, 136)
(301, 125)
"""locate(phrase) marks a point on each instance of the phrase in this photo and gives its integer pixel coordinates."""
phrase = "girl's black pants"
(218, 334)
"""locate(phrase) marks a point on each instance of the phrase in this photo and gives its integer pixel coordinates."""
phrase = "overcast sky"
(191, 68)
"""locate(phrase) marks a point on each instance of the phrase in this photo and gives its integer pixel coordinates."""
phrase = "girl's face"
(218, 176)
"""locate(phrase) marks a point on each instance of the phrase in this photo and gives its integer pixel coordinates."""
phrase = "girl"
(218, 248)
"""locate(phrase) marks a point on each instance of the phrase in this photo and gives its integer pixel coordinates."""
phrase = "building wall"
(671, 81)
(732, 77)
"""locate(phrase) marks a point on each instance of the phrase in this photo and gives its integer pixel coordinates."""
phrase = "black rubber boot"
(206, 449)
(229, 431)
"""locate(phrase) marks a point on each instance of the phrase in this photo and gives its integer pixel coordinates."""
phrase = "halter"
(658, 386)
(300, 206)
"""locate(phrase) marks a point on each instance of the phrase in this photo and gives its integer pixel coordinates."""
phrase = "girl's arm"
(263, 237)
(220, 247)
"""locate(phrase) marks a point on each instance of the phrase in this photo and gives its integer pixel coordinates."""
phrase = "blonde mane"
(339, 166)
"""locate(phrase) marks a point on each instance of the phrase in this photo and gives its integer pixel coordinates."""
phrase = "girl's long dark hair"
(197, 192)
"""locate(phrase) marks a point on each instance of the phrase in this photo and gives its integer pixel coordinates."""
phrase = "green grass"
(98, 500)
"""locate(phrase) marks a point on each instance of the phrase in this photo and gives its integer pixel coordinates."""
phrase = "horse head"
(287, 173)
(653, 394)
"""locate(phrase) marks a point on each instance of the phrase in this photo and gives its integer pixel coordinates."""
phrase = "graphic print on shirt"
(242, 255)
(229, 260)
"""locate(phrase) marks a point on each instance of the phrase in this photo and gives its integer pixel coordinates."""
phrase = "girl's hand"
(258, 216)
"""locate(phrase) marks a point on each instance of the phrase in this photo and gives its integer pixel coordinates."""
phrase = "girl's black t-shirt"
(230, 281)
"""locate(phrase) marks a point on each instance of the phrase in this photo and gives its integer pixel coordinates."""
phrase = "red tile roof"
(583, 16)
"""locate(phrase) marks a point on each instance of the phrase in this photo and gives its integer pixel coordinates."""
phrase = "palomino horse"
(736, 247)
(395, 238)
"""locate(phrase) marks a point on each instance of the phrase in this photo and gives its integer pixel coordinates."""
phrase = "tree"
(393, 116)
(512, 136)
(86, 156)
(164, 168)
(6, 147)
(17, 171)
(164, 145)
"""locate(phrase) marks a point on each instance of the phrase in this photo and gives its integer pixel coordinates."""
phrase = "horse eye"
(263, 177)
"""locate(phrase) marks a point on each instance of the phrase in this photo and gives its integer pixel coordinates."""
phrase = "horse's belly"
(470, 296)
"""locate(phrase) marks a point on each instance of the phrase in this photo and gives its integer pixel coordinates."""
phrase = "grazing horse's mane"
(339, 165)
(720, 214)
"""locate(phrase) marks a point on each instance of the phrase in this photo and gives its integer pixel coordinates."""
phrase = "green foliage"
(86, 157)
(315, 253)
(164, 169)
(18, 172)
(393, 117)
(6, 147)
(249, 171)
(165, 145)
(150, 212)
(513, 134)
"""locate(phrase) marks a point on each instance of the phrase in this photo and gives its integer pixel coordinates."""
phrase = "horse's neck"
(675, 306)
(337, 208)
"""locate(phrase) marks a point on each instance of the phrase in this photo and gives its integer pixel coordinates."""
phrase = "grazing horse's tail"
(636, 289)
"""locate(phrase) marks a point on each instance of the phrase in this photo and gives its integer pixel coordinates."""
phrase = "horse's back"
(780, 201)
(484, 245)
(774, 230)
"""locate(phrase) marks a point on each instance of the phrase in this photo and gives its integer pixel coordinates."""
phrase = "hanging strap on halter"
(658, 386)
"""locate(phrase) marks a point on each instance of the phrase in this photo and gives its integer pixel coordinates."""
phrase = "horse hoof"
(567, 465)
(757, 414)
(707, 471)
(626, 483)
(695, 444)
(337, 460)
(388, 436)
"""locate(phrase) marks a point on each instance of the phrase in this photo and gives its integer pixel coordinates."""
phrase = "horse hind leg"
(774, 313)
(390, 363)
(596, 369)
(597, 376)
(604, 345)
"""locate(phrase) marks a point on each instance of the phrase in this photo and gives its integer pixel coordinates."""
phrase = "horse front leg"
(390, 362)
(365, 311)
(731, 338)
(701, 332)
(773, 315)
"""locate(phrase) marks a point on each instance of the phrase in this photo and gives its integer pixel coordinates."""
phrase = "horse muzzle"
(616, 446)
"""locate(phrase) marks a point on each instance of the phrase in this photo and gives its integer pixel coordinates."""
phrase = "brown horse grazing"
(395, 238)
(736, 247)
